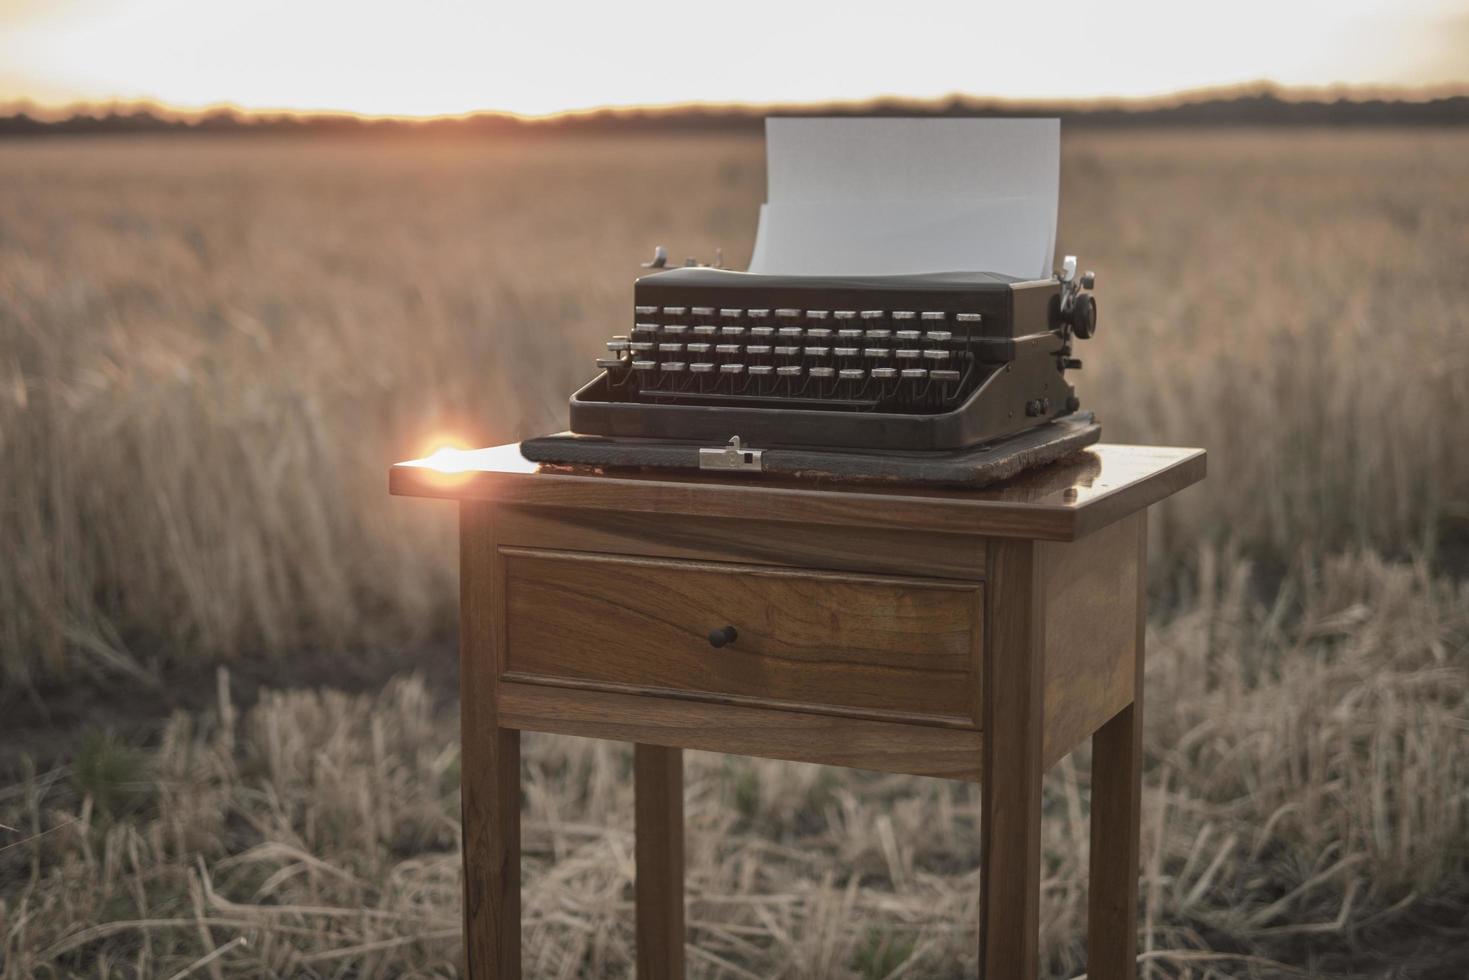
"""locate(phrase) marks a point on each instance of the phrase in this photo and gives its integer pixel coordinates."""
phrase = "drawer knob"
(722, 636)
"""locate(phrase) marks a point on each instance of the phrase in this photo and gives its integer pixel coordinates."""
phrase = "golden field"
(210, 350)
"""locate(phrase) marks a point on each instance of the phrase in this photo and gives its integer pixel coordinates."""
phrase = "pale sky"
(425, 57)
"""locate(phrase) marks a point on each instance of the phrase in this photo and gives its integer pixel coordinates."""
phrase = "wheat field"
(211, 349)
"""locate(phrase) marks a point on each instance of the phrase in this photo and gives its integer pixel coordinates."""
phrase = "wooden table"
(978, 635)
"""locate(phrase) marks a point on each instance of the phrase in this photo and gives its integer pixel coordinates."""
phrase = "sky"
(434, 57)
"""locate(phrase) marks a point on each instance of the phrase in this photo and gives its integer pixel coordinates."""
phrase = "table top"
(1061, 502)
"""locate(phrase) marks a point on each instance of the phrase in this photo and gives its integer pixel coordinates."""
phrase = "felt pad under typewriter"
(974, 467)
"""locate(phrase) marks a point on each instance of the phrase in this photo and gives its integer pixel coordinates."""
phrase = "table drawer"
(869, 645)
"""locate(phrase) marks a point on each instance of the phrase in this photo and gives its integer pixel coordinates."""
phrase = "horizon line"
(1321, 94)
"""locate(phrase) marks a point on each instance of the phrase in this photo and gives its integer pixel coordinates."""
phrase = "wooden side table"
(976, 635)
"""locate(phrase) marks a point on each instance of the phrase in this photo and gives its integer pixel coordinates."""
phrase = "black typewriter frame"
(1020, 350)
(1014, 386)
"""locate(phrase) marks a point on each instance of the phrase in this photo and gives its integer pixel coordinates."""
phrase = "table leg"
(1117, 770)
(1010, 845)
(490, 777)
(1116, 802)
(658, 814)
(489, 769)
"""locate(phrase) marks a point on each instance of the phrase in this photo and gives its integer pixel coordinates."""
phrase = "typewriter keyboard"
(889, 360)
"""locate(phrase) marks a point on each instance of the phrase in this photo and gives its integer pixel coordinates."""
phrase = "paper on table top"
(890, 196)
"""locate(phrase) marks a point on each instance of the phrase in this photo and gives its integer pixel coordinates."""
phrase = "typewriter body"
(933, 362)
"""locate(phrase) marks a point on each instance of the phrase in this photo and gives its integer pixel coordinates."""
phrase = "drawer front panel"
(876, 646)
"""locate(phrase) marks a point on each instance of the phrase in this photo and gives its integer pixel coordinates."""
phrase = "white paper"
(890, 196)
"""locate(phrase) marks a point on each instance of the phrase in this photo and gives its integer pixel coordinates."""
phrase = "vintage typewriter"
(943, 376)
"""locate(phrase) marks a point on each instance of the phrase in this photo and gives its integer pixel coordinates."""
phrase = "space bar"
(754, 401)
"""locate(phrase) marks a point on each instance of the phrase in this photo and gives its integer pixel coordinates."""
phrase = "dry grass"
(1307, 788)
(210, 350)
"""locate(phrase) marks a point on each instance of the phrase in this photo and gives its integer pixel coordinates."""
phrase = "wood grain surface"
(751, 542)
(489, 768)
(1010, 821)
(1061, 502)
(1090, 590)
(659, 846)
(836, 641)
(1117, 767)
(882, 746)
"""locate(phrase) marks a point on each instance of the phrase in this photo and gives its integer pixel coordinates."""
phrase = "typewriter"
(929, 362)
(934, 376)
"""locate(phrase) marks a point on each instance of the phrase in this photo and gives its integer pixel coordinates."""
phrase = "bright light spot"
(449, 459)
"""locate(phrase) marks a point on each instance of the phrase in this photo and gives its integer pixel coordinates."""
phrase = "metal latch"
(731, 457)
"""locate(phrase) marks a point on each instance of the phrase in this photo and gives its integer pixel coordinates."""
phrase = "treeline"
(1257, 109)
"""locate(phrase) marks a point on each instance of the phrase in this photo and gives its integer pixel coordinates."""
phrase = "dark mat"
(975, 467)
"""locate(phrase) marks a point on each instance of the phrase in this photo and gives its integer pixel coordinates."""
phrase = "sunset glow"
(440, 57)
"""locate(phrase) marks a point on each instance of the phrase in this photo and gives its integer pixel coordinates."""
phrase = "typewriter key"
(968, 317)
(731, 312)
(822, 372)
(879, 334)
(787, 351)
(788, 314)
(914, 374)
(908, 334)
(702, 310)
(645, 328)
(935, 355)
(731, 369)
(670, 348)
(844, 315)
(758, 350)
(761, 370)
(939, 315)
(726, 348)
(944, 375)
(645, 310)
(876, 352)
(640, 345)
(790, 331)
(903, 314)
(757, 314)
(845, 351)
(699, 348)
(732, 331)
(939, 336)
(818, 333)
(675, 310)
(788, 371)
(850, 333)
(610, 363)
(851, 374)
(816, 314)
(674, 328)
(872, 314)
(644, 365)
(702, 368)
(674, 367)
(906, 355)
(818, 351)
(705, 329)
(761, 331)
(617, 344)
(884, 374)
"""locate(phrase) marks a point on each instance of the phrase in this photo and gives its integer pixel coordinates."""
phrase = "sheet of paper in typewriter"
(887, 196)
